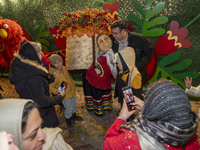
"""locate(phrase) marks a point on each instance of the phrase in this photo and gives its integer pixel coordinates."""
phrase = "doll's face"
(104, 42)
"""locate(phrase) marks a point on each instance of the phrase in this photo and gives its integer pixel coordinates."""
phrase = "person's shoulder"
(65, 71)
(114, 41)
(51, 69)
(110, 51)
(64, 68)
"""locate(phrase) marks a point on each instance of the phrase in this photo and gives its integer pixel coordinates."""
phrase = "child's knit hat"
(54, 58)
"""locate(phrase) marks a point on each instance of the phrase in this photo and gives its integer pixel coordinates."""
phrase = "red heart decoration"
(54, 30)
(112, 7)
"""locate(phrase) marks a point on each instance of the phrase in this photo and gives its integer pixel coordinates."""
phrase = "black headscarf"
(27, 51)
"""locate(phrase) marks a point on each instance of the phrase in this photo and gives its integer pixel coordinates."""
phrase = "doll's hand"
(97, 71)
(188, 82)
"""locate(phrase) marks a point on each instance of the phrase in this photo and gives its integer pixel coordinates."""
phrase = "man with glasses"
(144, 50)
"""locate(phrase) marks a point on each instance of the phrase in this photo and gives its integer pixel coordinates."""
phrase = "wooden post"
(93, 50)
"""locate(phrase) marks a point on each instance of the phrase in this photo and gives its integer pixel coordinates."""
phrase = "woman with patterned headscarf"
(165, 121)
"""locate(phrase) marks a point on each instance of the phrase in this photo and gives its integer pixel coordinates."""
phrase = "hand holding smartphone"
(128, 95)
(62, 87)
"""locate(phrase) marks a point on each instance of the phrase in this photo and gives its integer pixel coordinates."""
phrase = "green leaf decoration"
(148, 19)
(111, 1)
(100, 3)
(156, 21)
(41, 35)
(157, 9)
(139, 8)
(168, 68)
(135, 19)
(148, 3)
(153, 32)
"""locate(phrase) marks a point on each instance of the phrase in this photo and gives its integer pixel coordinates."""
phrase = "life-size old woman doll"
(97, 86)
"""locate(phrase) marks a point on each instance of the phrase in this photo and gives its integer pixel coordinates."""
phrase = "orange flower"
(78, 12)
(85, 11)
(94, 11)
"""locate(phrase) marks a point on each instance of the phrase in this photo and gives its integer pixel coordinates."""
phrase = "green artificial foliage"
(168, 68)
(99, 3)
(147, 19)
(41, 35)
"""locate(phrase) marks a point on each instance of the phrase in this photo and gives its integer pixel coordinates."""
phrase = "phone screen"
(62, 87)
(129, 97)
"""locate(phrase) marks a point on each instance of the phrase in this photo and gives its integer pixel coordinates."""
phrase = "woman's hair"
(29, 106)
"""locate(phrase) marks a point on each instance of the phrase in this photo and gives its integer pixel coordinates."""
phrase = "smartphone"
(129, 97)
(62, 87)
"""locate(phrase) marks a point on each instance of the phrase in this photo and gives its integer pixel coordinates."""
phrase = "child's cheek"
(120, 67)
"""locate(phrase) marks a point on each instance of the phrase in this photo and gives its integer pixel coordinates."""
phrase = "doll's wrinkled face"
(104, 42)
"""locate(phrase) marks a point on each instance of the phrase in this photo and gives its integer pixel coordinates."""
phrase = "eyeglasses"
(114, 33)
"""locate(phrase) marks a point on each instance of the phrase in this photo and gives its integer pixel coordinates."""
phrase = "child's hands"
(56, 73)
(119, 67)
(188, 82)
(62, 93)
(125, 113)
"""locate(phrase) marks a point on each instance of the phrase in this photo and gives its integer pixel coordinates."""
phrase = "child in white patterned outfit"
(191, 90)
